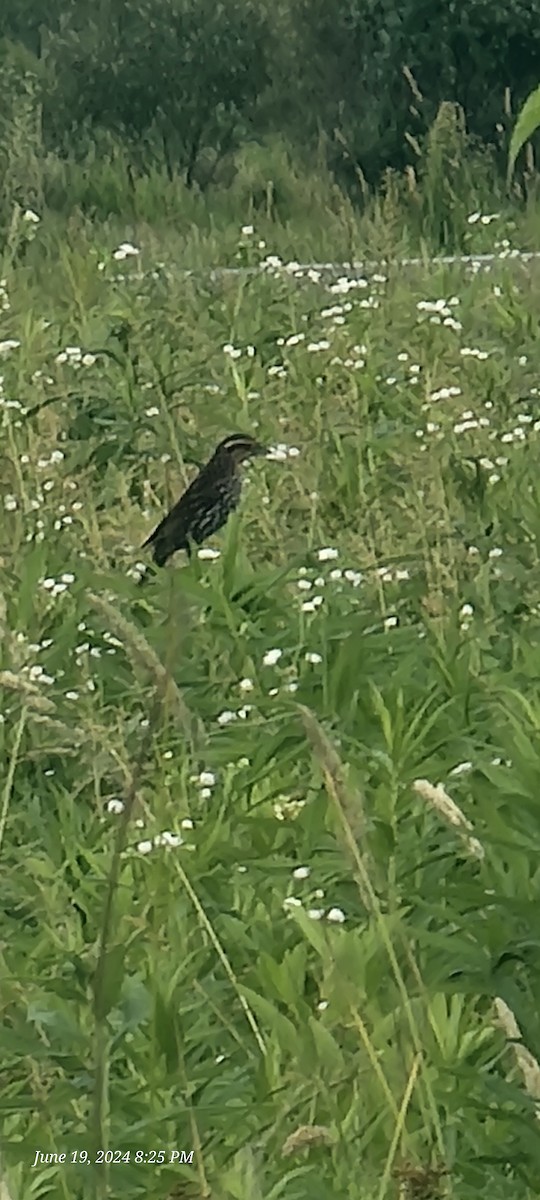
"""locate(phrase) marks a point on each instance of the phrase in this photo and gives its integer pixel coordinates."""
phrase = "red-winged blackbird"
(208, 501)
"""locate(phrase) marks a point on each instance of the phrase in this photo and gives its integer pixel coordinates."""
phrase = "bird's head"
(238, 448)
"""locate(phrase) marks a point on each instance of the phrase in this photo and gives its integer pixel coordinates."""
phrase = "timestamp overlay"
(83, 1157)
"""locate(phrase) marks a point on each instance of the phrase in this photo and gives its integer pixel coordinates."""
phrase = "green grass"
(197, 996)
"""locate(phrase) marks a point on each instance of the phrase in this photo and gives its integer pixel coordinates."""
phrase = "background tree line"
(193, 81)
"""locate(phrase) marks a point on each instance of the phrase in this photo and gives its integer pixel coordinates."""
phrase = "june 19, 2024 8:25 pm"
(149, 1157)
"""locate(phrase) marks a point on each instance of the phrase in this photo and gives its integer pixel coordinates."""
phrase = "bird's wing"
(174, 519)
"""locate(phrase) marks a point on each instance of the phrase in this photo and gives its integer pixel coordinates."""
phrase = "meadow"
(269, 821)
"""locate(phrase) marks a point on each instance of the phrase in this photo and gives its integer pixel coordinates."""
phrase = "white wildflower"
(336, 915)
(272, 657)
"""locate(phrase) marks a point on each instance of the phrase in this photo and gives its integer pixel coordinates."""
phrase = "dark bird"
(208, 502)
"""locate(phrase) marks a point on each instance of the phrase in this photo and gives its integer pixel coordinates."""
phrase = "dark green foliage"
(350, 65)
(186, 73)
(186, 84)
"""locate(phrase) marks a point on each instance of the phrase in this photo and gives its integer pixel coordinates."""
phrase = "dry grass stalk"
(305, 1137)
(141, 652)
(438, 798)
(334, 769)
(72, 733)
(3, 616)
(412, 84)
(351, 814)
(33, 697)
(525, 1061)
(420, 1182)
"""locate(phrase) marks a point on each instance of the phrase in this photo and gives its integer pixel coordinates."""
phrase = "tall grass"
(283, 189)
(271, 908)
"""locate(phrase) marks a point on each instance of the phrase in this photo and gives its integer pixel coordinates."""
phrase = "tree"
(189, 71)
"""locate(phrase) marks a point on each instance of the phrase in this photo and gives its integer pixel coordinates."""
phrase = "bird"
(209, 500)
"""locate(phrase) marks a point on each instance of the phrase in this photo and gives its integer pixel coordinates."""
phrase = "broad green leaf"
(527, 123)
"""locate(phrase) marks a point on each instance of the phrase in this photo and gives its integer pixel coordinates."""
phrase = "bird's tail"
(161, 553)
(161, 550)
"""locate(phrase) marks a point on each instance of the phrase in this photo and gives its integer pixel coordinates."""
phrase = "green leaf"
(327, 1052)
(167, 1032)
(279, 1025)
(107, 992)
(230, 554)
(528, 121)
(135, 1004)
